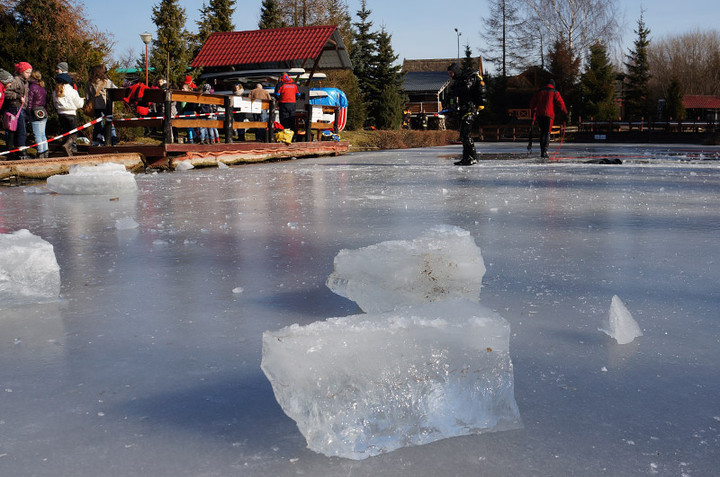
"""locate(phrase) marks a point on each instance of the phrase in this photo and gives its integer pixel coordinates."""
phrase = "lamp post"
(146, 38)
(458, 33)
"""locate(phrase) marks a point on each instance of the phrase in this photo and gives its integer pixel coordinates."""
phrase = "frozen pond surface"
(150, 363)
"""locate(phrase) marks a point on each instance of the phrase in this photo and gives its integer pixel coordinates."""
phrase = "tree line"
(569, 40)
(573, 41)
(45, 32)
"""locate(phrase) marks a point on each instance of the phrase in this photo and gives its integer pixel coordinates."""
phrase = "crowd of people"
(25, 102)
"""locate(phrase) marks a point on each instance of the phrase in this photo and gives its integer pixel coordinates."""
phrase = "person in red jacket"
(287, 93)
(543, 105)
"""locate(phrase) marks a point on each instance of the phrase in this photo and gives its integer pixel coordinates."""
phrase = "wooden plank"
(197, 123)
(201, 98)
(322, 126)
(249, 125)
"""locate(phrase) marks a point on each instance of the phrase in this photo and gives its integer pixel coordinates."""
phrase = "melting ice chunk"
(102, 179)
(363, 385)
(183, 166)
(442, 263)
(126, 223)
(29, 272)
(620, 323)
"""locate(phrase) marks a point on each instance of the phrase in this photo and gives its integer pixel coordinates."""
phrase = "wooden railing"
(321, 117)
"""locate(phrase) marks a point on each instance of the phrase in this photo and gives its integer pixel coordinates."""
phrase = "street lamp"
(146, 38)
(458, 39)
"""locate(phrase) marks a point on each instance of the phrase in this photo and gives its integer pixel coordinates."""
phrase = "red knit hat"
(22, 66)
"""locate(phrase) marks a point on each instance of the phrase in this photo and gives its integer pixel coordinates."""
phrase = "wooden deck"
(138, 158)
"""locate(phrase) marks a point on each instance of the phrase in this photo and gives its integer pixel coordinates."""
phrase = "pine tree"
(362, 49)
(564, 69)
(270, 16)
(468, 63)
(637, 94)
(215, 16)
(597, 86)
(172, 46)
(674, 108)
(385, 85)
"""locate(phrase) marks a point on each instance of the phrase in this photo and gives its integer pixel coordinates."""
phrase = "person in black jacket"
(467, 99)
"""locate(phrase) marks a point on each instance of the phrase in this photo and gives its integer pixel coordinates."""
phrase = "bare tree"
(300, 13)
(693, 57)
(577, 23)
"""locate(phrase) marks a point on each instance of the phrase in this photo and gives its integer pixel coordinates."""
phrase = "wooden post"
(271, 123)
(228, 123)
(108, 123)
(167, 122)
(308, 122)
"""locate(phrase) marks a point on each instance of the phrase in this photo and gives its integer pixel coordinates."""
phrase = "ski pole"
(529, 146)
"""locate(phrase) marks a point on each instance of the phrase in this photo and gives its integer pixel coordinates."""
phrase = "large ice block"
(441, 264)
(102, 179)
(29, 272)
(363, 385)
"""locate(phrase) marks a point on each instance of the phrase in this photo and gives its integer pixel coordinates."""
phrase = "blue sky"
(419, 29)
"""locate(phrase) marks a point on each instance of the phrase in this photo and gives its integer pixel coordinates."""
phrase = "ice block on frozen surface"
(102, 179)
(620, 324)
(441, 264)
(363, 385)
(29, 272)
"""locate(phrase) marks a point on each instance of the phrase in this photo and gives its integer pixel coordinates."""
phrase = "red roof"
(263, 46)
(701, 102)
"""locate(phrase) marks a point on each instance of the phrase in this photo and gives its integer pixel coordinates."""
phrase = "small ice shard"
(126, 223)
(102, 179)
(620, 323)
(441, 264)
(29, 272)
(367, 384)
(238, 290)
(183, 166)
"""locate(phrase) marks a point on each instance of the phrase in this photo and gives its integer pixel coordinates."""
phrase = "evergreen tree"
(597, 86)
(270, 16)
(385, 85)
(637, 94)
(362, 50)
(564, 69)
(504, 36)
(674, 108)
(215, 16)
(468, 64)
(172, 45)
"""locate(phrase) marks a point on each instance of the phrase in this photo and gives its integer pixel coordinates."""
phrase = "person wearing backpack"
(467, 99)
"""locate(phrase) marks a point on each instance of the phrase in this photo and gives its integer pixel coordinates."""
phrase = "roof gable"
(425, 81)
(275, 47)
(691, 101)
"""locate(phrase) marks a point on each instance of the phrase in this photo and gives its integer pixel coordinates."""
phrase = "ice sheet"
(29, 272)
(150, 364)
(441, 264)
(363, 385)
(101, 179)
